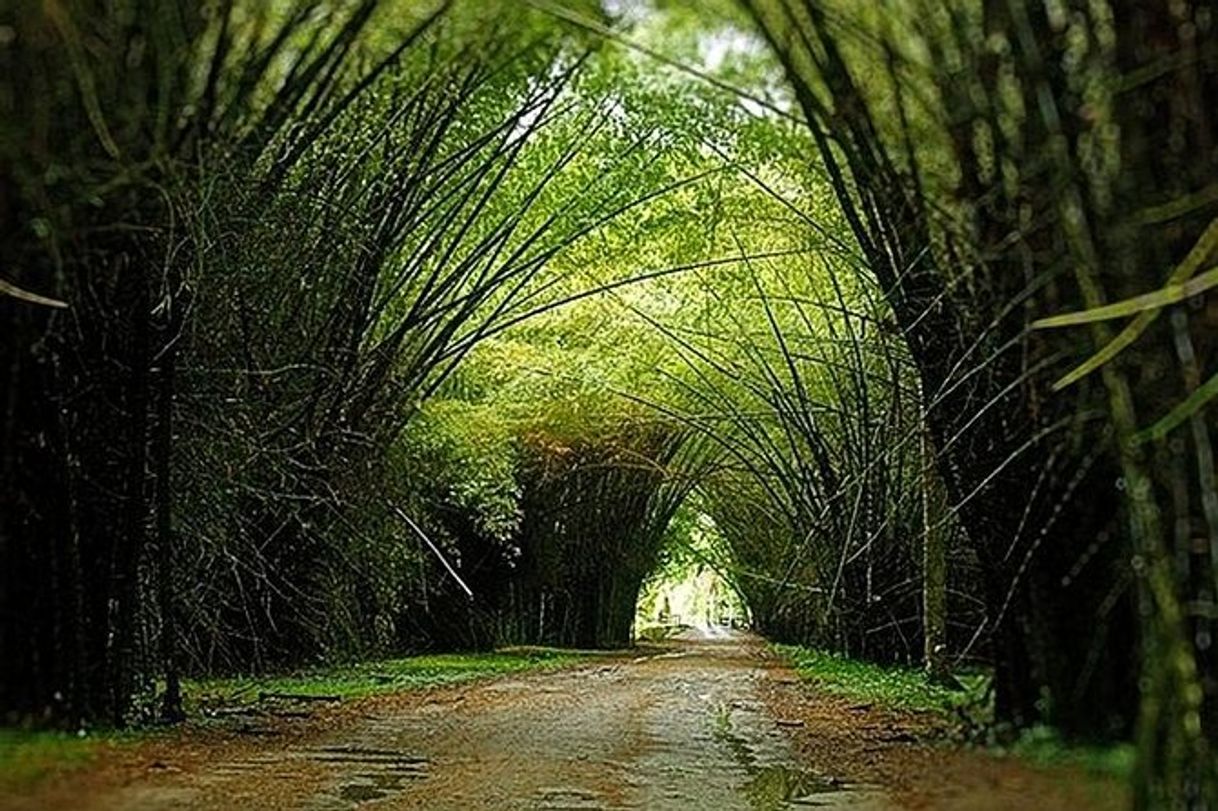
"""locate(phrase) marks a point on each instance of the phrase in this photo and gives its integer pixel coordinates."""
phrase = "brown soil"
(906, 754)
(696, 724)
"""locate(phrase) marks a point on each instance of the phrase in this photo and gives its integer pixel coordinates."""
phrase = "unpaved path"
(702, 724)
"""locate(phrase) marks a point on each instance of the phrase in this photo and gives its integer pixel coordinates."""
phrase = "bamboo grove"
(335, 329)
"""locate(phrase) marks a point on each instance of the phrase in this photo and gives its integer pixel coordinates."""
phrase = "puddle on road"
(566, 799)
(379, 785)
(360, 774)
(776, 786)
(383, 771)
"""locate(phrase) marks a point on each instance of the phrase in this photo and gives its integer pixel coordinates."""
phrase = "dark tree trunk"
(165, 539)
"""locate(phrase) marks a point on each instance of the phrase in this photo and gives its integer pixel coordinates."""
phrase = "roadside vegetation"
(337, 682)
(29, 757)
(964, 710)
(892, 687)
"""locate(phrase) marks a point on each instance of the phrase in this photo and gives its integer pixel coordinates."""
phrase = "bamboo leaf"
(1183, 272)
(1110, 350)
(1174, 418)
(10, 289)
(1163, 297)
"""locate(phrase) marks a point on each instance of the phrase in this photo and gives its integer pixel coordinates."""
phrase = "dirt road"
(700, 724)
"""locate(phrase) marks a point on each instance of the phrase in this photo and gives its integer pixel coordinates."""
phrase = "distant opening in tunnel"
(691, 585)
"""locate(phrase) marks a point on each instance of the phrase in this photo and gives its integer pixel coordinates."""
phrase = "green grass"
(27, 757)
(891, 687)
(907, 689)
(1043, 746)
(376, 677)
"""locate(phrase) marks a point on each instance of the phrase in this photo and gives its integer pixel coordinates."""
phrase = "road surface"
(711, 721)
(684, 728)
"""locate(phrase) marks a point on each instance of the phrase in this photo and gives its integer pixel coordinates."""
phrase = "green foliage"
(359, 679)
(1045, 746)
(694, 570)
(27, 758)
(722, 311)
(892, 687)
(463, 458)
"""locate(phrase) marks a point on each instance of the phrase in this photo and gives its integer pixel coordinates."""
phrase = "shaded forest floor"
(691, 723)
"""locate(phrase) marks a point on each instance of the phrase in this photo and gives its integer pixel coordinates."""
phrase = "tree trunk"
(164, 538)
(935, 535)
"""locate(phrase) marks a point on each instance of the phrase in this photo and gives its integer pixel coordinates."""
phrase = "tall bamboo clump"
(594, 515)
(338, 305)
(107, 113)
(276, 233)
(815, 419)
(1081, 170)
